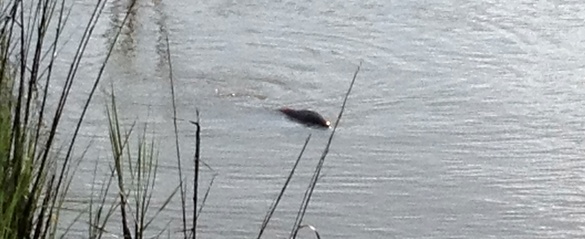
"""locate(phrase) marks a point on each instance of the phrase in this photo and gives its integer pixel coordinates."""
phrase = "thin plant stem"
(314, 179)
(178, 151)
(196, 176)
(282, 190)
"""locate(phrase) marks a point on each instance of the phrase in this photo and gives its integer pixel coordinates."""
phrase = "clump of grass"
(34, 183)
(135, 190)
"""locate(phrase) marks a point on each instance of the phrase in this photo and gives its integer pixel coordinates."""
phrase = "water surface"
(465, 121)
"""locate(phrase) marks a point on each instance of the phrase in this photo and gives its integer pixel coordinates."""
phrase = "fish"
(307, 117)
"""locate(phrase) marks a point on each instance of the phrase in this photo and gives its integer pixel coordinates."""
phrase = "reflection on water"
(465, 121)
(139, 22)
(161, 46)
(126, 44)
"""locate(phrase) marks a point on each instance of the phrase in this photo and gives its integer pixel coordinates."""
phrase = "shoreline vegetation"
(35, 178)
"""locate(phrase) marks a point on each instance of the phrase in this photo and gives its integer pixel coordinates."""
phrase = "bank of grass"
(35, 181)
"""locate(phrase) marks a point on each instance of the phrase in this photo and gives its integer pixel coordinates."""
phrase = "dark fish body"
(307, 117)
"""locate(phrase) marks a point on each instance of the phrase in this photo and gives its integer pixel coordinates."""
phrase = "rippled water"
(466, 120)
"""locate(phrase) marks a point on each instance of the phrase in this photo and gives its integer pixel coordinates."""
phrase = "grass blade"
(314, 179)
(176, 130)
(277, 200)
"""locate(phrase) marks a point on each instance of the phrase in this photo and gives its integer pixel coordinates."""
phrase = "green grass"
(34, 183)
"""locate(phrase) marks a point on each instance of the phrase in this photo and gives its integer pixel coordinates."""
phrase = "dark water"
(466, 120)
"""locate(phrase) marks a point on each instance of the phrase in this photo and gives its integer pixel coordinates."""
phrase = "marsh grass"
(34, 181)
